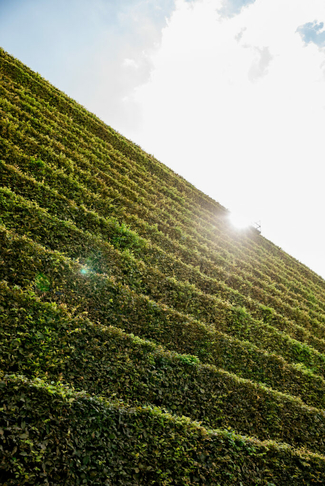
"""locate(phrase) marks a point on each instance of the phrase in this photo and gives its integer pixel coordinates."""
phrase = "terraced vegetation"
(143, 340)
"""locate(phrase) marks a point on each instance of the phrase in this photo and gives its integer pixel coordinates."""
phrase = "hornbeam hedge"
(143, 339)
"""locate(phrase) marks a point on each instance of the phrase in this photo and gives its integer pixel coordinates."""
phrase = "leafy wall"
(143, 340)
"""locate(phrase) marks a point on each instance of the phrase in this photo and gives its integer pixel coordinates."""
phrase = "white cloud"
(130, 63)
(229, 8)
(313, 32)
(260, 65)
(240, 34)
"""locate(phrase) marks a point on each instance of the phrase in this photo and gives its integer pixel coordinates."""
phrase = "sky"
(230, 94)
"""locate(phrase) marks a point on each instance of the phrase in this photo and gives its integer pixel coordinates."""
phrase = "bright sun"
(240, 220)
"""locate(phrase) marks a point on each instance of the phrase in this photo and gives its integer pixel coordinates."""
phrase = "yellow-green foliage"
(143, 340)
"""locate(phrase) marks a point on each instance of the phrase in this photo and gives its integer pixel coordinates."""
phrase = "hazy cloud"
(239, 36)
(130, 63)
(259, 68)
(313, 32)
(230, 8)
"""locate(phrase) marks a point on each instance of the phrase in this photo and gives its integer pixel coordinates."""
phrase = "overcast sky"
(228, 93)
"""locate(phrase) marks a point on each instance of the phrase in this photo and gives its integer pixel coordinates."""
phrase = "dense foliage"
(143, 340)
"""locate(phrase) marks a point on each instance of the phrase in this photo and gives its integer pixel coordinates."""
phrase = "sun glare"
(239, 220)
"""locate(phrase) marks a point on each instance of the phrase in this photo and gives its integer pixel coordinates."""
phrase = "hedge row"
(220, 260)
(27, 187)
(224, 317)
(110, 258)
(53, 435)
(266, 270)
(60, 180)
(46, 113)
(40, 339)
(95, 152)
(56, 203)
(58, 279)
(113, 177)
(44, 91)
(104, 178)
(58, 235)
(19, 186)
(268, 243)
